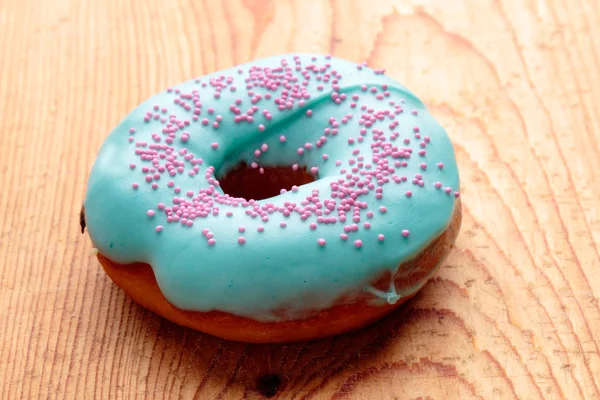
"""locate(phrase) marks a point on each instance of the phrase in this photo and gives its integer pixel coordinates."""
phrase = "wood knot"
(268, 385)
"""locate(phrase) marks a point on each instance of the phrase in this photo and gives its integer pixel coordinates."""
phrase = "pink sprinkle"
(423, 166)
(241, 229)
(215, 145)
(408, 193)
(380, 237)
(405, 233)
(159, 229)
(309, 113)
(456, 194)
(261, 127)
(132, 166)
(282, 139)
(261, 229)
(229, 213)
(295, 167)
(150, 213)
(343, 236)
(241, 240)
(135, 186)
(448, 189)
(283, 224)
(313, 226)
(321, 242)
(211, 242)
(440, 165)
(358, 243)
(437, 185)
(382, 210)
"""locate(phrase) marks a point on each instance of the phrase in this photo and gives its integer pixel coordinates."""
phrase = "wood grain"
(513, 313)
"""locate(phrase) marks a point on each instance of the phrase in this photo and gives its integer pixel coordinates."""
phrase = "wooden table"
(513, 313)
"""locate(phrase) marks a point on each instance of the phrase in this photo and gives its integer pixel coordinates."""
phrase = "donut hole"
(254, 183)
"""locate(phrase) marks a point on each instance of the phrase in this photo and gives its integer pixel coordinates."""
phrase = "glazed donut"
(290, 198)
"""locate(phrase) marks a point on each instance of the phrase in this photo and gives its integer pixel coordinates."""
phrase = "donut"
(290, 198)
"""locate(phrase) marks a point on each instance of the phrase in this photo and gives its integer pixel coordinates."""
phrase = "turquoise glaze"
(279, 267)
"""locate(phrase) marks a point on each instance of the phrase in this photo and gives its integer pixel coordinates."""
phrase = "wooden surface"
(513, 313)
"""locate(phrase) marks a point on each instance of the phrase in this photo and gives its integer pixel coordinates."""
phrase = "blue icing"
(280, 267)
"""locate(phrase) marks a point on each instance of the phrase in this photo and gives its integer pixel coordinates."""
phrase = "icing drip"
(391, 297)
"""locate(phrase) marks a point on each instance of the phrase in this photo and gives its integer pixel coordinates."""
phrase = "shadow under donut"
(202, 366)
